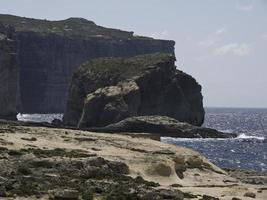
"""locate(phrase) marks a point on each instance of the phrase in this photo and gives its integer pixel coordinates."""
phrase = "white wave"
(244, 136)
(240, 136)
(226, 130)
(170, 139)
(39, 117)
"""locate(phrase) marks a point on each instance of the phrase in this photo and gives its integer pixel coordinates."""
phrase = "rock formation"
(50, 51)
(110, 104)
(8, 73)
(163, 126)
(107, 90)
(52, 163)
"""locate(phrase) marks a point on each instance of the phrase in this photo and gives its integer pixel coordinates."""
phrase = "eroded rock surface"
(63, 163)
(110, 104)
(107, 90)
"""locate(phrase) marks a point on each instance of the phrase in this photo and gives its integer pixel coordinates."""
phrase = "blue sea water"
(247, 151)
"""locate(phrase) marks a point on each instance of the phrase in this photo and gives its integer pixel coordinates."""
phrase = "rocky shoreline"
(57, 163)
(162, 126)
(248, 176)
(152, 127)
(120, 94)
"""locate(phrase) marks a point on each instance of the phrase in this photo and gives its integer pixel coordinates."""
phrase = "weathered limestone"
(106, 90)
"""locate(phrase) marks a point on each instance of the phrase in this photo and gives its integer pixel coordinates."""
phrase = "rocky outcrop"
(107, 90)
(110, 104)
(50, 51)
(163, 126)
(8, 74)
(64, 163)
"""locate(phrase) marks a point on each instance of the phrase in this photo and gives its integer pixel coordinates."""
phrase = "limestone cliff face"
(50, 51)
(8, 74)
(107, 90)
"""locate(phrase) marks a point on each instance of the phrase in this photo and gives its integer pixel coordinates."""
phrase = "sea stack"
(106, 90)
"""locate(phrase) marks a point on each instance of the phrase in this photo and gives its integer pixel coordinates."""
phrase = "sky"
(222, 43)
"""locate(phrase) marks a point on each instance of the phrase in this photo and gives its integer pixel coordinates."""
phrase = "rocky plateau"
(51, 163)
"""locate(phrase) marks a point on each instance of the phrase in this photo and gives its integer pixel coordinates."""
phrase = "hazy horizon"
(221, 44)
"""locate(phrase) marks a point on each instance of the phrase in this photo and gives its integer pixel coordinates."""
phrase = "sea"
(247, 151)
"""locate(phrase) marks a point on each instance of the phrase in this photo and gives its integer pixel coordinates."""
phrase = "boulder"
(164, 126)
(236, 198)
(250, 194)
(207, 197)
(171, 194)
(57, 122)
(107, 90)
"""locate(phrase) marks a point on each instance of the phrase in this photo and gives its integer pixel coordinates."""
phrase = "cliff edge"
(50, 51)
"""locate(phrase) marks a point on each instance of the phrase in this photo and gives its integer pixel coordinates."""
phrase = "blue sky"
(223, 44)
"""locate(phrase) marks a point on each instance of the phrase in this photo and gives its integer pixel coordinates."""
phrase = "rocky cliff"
(50, 51)
(106, 90)
(8, 73)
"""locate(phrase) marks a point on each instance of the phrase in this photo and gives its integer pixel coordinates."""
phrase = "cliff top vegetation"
(124, 67)
(71, 27)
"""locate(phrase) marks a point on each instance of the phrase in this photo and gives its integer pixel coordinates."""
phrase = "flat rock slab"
(162, 126)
